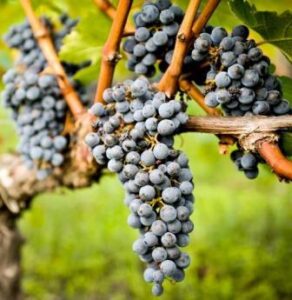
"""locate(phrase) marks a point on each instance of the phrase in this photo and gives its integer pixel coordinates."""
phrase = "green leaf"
(87, 75)
(77, 49)
(275, 28)
(85, 43)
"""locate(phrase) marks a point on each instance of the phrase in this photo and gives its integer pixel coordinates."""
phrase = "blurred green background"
(78, 244)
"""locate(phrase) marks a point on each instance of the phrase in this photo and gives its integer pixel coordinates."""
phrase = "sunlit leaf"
(88, 74)
(275, 28)
(85, 44)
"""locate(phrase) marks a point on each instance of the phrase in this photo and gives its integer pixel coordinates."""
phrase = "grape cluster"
(239, 78)
(246, 162)
(134, 138)
(21, 37)
(157, 25)
(35, 99)
(39, 111)
(240, 81)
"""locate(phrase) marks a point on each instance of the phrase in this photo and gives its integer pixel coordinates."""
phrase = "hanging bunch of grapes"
(157, 25)
(134, 138)
(35, 99)
(239, 78)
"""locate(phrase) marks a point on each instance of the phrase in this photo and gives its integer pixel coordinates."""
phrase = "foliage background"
(78, 243)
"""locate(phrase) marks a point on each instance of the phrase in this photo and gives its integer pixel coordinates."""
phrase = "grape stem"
(243, 127)
(274, 157)
(110, 52)
(169, 81)
(237, 125)
(204, 16)
(110, 11)
(46, 45)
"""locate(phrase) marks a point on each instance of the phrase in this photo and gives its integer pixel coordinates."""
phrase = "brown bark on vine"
(204, 16)
(10, 254)
(238, 125)
(254, 134)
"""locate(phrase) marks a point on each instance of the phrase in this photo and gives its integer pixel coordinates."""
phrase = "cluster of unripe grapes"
(239, 81)
(133, 136)
(35, 99)
(157, 25)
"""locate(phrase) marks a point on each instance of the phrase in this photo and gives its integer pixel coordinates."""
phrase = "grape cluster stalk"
(34, 97)
(134, 137)
(239, 80)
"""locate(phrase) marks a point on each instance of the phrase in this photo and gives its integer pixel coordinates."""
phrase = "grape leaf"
(85, 42)
(77, 49)
(275, 28)
(88, 74)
